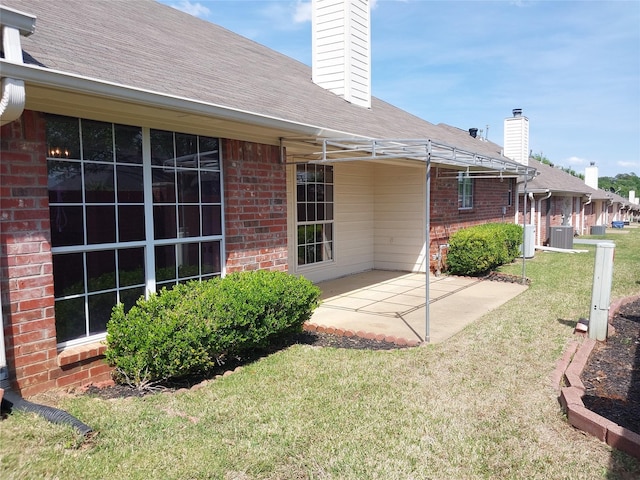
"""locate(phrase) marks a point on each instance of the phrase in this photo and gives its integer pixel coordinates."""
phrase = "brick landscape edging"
(568, 371)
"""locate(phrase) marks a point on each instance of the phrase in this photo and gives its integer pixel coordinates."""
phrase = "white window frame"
(465, 192)
(148, 244)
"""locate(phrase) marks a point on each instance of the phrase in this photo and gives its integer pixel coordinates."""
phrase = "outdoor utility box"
(598, 229)
(528, 247)
(562, 236)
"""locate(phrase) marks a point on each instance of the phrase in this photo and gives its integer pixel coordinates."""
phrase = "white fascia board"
(36, 75)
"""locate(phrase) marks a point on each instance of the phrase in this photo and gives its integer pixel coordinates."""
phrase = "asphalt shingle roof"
(147, 45)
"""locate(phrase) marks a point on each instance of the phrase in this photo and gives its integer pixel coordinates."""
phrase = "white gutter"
(14, 23)
(539, 228)
(36, 75)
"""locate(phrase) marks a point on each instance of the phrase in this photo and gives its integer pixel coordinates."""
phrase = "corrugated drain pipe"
(13, 24)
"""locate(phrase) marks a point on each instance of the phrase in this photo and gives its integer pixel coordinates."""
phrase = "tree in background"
(621, 184)
(542, 159)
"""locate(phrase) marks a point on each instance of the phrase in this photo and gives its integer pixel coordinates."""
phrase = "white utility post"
(601, 294)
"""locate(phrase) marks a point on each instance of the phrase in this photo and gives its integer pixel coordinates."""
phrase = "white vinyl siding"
(399, 237)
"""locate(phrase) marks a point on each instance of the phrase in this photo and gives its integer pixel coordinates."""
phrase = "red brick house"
(141, 147)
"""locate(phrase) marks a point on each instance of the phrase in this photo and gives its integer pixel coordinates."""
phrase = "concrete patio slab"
(392, 304)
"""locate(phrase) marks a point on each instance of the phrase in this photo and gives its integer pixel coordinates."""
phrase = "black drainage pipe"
(13, 401)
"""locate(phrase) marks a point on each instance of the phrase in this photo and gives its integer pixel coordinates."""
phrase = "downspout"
(14, 24)
(538, 227)
(532, 211)
(582, 213)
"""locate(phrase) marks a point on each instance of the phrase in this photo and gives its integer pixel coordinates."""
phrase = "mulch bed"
(315, 339)
(612, 373)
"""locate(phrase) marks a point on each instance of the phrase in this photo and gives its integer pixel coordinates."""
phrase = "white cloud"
(577, 161)
(196, 9)
(302, 12)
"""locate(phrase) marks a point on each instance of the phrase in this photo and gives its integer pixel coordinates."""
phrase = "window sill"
(79, 353)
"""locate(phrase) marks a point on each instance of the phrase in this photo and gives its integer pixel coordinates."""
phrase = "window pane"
(99, 183)
(188, 260)
(66, 226)
(70, 319)
(209, 153)
(210, 187)
(210, 254)
(63, 137)
(97, 141)
(164, 222)
(101, 270)
(68, 274)
(164, 189)
(130, 223)
(188, 186)
(211, 220)
(101, 224)
(130, 184)
(162, 152)
(128, 144)
(189, 221)
(165, 262)
(130, 296)
(186, 150)
(100, 307)
(65, 181)
(131, 269)
(302, 212)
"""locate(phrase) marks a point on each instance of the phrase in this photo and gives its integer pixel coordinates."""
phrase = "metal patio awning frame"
(471, 164)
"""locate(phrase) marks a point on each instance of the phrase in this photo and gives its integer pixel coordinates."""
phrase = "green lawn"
(479, 406)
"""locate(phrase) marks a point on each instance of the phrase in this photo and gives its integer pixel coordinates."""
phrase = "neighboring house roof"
(555, 180)
(142, 44)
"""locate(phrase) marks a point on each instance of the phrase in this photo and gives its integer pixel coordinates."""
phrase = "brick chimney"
(341, 52)
(516, 137)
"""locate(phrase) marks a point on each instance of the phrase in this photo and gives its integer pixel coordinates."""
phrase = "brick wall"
(489, 196)
(26, 271)
(255, 206)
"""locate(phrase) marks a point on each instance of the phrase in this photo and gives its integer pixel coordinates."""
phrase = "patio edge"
(381, 337)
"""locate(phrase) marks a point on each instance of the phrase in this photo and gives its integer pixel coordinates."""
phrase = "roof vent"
(473, 132)
(517, 112)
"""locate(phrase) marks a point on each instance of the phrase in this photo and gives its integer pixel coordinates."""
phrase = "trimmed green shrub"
(192, 327)
(477, 250)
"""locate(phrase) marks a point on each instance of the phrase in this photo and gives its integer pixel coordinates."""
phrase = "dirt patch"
(612, 373)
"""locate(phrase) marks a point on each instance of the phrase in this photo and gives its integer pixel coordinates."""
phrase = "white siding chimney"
(516, 137)
(341, 52)
(591, 176)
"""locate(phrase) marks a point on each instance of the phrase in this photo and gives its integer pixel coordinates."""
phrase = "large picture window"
(465, 192)
(314, 200)
(125, 221)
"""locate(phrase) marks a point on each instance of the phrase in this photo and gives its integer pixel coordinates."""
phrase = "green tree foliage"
(542, 159)
(621, 184)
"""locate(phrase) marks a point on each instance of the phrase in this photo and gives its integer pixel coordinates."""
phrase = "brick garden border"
(566, 379)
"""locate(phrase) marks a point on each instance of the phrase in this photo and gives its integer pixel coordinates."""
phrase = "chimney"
(591, 175)
(473, 132)
(341, 52)
(516, 137)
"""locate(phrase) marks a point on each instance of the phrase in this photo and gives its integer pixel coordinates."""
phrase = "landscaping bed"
(612, 373)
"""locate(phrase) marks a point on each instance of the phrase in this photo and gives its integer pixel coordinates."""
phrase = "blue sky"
(572, 66)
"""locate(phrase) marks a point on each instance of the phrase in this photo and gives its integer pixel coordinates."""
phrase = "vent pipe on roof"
(13, 23)
(341, 49)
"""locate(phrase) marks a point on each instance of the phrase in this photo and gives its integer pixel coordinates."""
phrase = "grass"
(479, 406)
